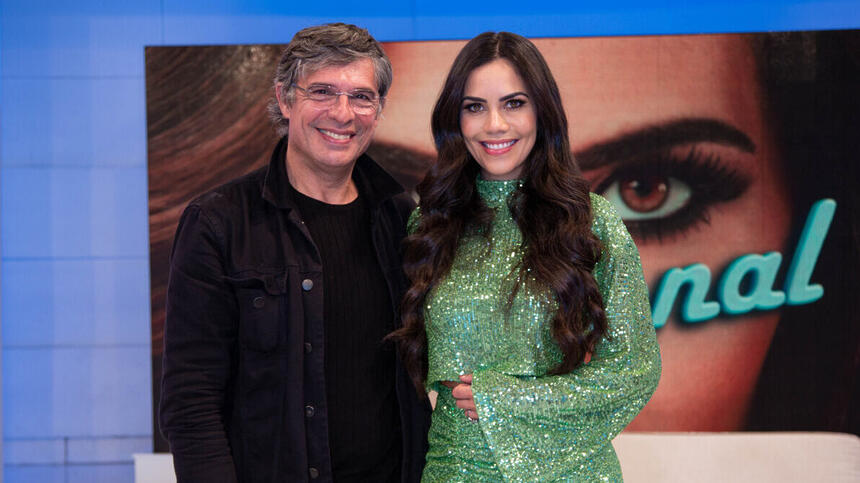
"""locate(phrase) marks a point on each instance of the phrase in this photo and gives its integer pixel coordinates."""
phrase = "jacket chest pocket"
(262, 307)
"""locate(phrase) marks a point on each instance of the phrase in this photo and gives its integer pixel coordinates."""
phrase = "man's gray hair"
(314, 48)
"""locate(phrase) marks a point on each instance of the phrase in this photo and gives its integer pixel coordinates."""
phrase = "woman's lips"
(501, 146)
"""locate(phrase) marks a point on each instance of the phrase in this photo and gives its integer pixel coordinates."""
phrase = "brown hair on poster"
(713, 148)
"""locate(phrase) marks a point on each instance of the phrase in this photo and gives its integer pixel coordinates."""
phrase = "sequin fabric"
(534, 426)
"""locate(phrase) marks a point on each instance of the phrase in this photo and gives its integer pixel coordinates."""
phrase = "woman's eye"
(473, 107)
(514, 103)
(646, 196)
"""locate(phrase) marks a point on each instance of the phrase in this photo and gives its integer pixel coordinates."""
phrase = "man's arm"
(199, 352)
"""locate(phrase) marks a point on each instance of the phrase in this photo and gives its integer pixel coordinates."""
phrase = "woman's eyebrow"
(511, 96)
(664, 136)
(502, 99)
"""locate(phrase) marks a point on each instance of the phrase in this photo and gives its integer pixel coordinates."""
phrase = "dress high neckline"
(496, 193)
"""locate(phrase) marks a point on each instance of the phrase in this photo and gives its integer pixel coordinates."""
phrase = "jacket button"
(308, 347)
(313, 473)
(307, 284)
(309, 411)
(259, 302)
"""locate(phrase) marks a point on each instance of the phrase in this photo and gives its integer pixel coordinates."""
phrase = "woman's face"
(497, 120)
(671, 131)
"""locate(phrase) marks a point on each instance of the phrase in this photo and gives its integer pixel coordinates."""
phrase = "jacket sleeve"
(199, 350)
(561, 422)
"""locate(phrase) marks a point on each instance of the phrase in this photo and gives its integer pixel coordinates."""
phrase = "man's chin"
(339, 159)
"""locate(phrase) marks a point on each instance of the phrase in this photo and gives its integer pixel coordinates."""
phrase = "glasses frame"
(329, 100)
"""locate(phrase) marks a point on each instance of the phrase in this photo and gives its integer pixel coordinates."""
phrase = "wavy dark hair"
(552, 210)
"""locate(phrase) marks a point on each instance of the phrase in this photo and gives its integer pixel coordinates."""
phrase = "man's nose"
(341, 111)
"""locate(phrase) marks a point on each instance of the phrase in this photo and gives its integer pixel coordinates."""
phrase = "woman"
(528, 311)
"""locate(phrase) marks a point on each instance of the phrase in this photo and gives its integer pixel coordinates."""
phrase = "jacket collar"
(373, 182)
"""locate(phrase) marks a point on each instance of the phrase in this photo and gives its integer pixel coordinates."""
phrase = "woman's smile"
(498, 147)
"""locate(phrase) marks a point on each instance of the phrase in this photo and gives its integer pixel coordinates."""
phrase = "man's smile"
(338, 136)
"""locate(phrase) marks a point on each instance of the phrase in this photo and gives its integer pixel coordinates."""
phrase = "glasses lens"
(362, 102)
(362, 106)
(321, 94)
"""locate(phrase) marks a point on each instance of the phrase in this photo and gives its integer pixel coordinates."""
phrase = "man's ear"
(381, 106)
(283, 105)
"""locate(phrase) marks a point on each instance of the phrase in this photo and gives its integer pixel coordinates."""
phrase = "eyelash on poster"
(709, 179)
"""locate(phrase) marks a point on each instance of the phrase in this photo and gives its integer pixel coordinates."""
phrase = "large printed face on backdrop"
(672, 132)
(670, 129)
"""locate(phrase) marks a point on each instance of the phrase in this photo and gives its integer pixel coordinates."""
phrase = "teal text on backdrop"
(762, 269)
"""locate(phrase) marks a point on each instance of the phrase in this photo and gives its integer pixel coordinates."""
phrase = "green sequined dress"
(533, 426)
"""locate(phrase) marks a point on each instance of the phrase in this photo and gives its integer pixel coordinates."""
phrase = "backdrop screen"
(731, 158)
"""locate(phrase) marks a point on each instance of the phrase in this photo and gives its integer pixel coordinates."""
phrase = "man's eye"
(321, 91)
(362, 96)
(647, 196)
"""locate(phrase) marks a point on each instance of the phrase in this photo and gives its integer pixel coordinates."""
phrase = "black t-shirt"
(363, 419)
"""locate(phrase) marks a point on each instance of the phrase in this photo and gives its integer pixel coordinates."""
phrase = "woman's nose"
(496, 121)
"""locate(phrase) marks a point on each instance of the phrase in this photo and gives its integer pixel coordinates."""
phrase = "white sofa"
(688, 457)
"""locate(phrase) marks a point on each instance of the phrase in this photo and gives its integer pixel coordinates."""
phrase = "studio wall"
(76, 348)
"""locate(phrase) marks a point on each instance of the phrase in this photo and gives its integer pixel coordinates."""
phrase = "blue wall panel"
(183, 29)
(34, 452)
(106, 450)
(264, 8)
(30, 474)
(28, 385)
(230, 22)
(434, 19)
(78, 39)
(76, 392)
(75, 302)
(108, 473)
(74, 122)
(74, 212)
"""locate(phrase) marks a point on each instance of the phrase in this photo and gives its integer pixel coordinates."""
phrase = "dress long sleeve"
(547, 426)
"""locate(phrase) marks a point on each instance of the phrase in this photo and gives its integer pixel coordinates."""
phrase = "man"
(283, 284)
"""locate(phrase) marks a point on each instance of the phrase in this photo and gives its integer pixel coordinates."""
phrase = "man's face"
(330, 137)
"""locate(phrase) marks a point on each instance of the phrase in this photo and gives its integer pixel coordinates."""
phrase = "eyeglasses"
(362, 102)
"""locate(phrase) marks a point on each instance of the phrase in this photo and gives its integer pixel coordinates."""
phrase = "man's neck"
(334, 187)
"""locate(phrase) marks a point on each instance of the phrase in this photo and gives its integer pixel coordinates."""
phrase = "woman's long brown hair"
(552, 210)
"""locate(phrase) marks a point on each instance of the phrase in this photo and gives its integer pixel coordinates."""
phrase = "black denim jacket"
(243, 343)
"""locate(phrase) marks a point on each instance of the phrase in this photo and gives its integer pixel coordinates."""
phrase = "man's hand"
(462, 393)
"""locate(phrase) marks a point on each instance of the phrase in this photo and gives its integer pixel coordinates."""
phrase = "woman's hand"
(462, 393)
